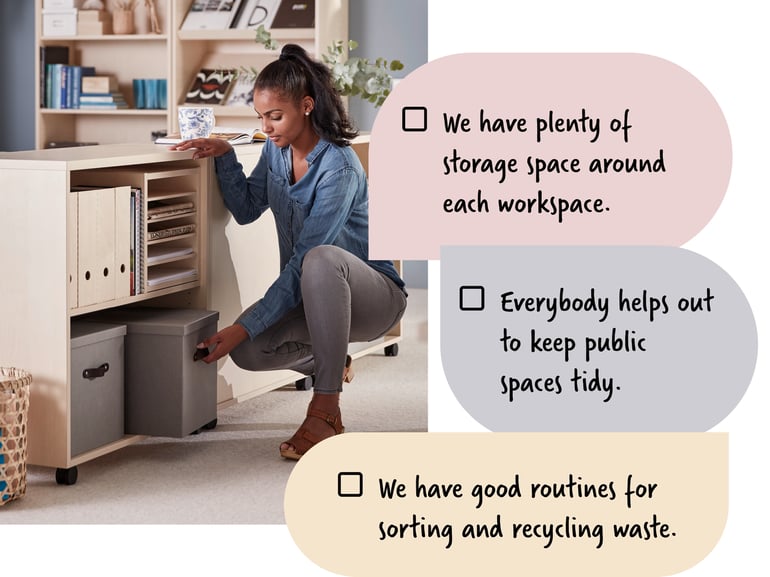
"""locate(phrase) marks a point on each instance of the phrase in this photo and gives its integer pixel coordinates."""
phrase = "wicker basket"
(14, 405)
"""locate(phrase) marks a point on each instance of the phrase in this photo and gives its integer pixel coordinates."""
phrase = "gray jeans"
(343, 300)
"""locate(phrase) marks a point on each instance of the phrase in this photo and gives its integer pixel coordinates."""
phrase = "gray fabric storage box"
(168, 393)
(97, 385)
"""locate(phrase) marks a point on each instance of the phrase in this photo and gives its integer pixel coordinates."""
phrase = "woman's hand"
(205, 147)
(223, 342)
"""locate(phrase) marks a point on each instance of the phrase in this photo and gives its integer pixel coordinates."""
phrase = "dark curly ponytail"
(296, 75)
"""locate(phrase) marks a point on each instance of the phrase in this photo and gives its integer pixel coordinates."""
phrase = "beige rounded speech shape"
(535, 504)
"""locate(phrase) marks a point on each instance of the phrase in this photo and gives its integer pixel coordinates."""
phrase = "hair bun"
(290, 51)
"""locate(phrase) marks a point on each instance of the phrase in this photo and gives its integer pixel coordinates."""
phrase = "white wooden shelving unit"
(175, 55)
(55, 247)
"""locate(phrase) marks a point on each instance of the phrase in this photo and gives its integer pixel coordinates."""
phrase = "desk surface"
(86, 157)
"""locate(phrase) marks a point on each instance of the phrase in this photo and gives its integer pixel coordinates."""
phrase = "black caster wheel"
(304, 384)
(391, 350)
(210, 425)
(66, 476)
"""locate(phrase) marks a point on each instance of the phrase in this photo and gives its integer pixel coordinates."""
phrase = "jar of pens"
(123, 17)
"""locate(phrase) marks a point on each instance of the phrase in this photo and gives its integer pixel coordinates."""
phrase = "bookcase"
(126, 56)
(66, 225)
(196, 49)
(175, 55)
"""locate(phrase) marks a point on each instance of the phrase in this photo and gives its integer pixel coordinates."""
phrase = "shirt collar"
(318, 149)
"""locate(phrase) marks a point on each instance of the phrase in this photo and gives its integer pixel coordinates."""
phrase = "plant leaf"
(354, 77)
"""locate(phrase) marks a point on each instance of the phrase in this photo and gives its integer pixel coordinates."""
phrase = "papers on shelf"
(162, 253)
(171, 231)
(158, 210)
(169, 274)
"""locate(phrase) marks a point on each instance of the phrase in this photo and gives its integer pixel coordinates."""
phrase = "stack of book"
(101, 93)
(50, 54)
(62, 85)
(68, 86)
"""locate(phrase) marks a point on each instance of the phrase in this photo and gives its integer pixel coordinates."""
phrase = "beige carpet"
(233, 473)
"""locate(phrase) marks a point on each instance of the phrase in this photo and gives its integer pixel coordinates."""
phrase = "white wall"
(394, 30)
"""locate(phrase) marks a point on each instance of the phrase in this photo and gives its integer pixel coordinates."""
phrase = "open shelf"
(176, 55)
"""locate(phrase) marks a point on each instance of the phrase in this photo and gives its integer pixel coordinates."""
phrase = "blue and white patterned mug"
(195, 121)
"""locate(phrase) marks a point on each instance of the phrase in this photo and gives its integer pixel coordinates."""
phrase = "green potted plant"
(353, 76)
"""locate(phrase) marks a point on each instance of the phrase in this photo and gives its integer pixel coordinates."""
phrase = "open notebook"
(234, 135)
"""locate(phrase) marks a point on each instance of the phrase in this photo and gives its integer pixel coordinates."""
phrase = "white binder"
(96, 246)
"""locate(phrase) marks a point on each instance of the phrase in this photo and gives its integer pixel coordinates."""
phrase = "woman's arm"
(245, 198)
(332, 206)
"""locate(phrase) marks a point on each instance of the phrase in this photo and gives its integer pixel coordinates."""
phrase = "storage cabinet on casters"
(55, 234)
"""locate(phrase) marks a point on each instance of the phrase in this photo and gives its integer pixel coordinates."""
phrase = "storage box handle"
(96, 372)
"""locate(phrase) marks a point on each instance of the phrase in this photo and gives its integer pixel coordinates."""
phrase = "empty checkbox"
(471, 298)
(350, 484)
(414, 119)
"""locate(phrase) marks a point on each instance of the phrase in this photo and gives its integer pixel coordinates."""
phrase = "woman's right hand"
(223, 342)
(205, 147)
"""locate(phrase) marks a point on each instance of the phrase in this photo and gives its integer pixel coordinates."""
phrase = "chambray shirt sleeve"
(245, 198)
(332, 205)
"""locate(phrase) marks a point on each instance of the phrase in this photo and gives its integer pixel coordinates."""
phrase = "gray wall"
(394, 30)
(17, 61)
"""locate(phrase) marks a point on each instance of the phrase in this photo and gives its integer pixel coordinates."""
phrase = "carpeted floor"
(232, 474)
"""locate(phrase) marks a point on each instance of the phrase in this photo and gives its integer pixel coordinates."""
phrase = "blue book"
(55, 85)
(77, 80)
(64, 87)
(46, 96)
(74, 96)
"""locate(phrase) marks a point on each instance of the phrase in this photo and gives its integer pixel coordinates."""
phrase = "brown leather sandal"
(305, 438)
(348, 374)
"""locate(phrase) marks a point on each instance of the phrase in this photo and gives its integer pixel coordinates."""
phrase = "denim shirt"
(328, 205)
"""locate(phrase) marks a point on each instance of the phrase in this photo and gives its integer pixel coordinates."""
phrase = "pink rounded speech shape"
(545, 149)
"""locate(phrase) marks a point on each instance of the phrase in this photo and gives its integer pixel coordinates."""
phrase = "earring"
(307, 113)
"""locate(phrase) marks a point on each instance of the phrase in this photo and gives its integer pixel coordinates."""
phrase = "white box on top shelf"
(60, 4)
(60, 22)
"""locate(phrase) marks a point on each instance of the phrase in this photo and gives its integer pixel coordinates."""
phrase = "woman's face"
(283, 121)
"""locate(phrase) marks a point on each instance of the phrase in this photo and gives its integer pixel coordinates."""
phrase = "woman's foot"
(348, 374)
(323, 420)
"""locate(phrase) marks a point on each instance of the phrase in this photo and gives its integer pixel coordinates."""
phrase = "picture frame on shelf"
(255, 13)
(212, 14)
(210, 86)
(242, 91)
(295, 14)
